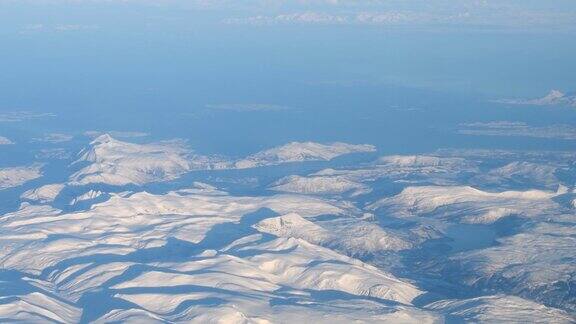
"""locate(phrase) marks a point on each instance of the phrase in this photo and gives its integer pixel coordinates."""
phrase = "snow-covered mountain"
(44, 194)
(300, 152)
(525, 174)
(533, 264)
(392, 240)
(416, 168)
(16, 176)
(120, 163)
(553, 98)
(319, 185)
(87, 196)
(416, 161)
(500, 309)
(115, 162)
(169, 257)
(468, 204)
(353, 237)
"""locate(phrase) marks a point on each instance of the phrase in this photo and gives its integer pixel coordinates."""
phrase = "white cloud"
(5, 141)
(504, 13)
(377, 17)
(323, 18)
(303, 17)
(119, 134)
(53, 154)
(57, 28)
(54, 138)
(251, 107)
(18, 116)
(74, 27)
(507, 128)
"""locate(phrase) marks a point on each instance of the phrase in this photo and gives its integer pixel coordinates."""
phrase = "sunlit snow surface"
(155, 232)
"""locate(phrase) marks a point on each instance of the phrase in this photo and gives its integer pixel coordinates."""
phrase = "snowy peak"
(553, 98)
(553, 95)
(104, 138)
(101, 146)
(120, 163)
(293, 225)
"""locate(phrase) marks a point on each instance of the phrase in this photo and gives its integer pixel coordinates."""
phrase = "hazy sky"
(342, 70)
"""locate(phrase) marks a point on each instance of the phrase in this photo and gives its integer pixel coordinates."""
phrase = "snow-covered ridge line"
(120, 163)
(301, 152)
(480, 206)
